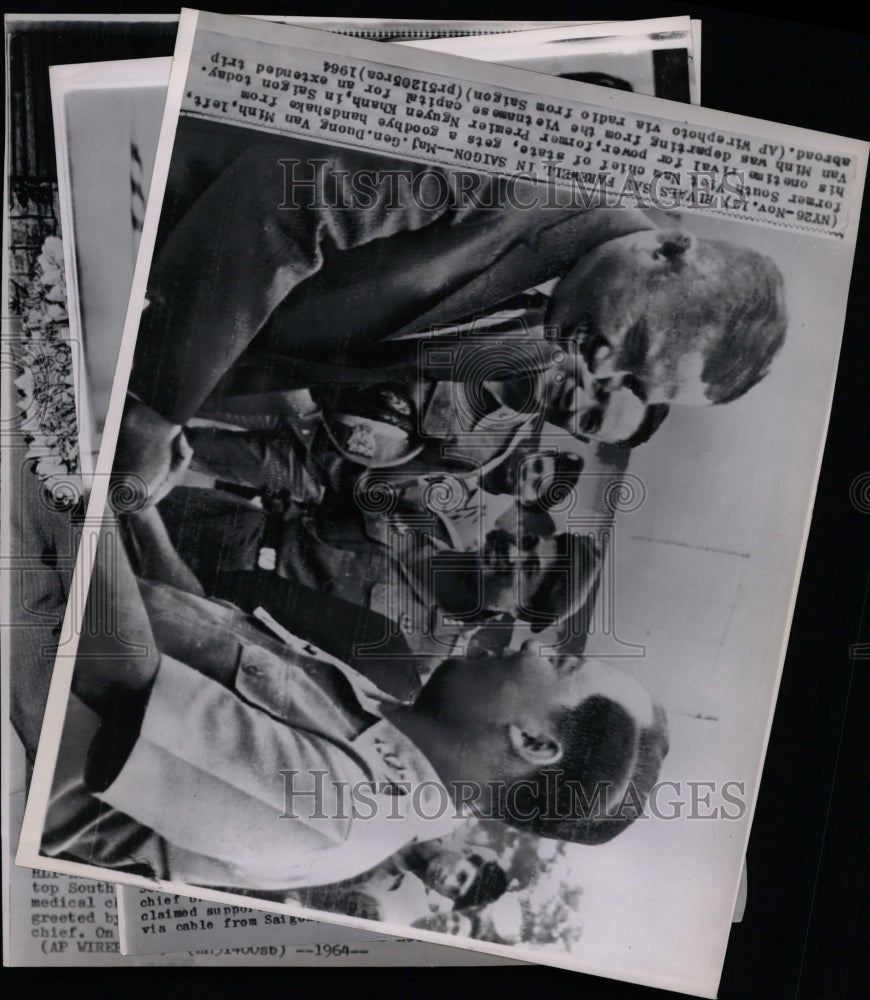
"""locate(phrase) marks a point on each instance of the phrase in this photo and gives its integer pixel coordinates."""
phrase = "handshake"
(151, 456)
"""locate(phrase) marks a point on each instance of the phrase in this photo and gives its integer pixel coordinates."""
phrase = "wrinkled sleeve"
(237, 253)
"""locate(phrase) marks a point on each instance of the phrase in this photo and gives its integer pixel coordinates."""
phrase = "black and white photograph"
(107, 119)
(449, 526)
(78, 169)
(106, 122)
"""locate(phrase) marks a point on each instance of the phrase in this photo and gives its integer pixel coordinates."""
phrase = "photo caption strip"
(621, 158)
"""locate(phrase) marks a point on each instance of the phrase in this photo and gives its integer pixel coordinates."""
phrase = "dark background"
(806, 932)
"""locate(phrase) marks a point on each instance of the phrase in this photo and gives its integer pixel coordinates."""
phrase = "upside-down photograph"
(452, 491)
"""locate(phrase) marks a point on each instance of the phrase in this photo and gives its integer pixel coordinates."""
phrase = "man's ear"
(538, 748)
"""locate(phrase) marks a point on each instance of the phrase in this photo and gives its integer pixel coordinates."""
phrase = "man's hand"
(179, 460)
(150, 450)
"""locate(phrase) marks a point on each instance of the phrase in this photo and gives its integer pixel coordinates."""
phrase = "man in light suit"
(287, 270)
(201, 749)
